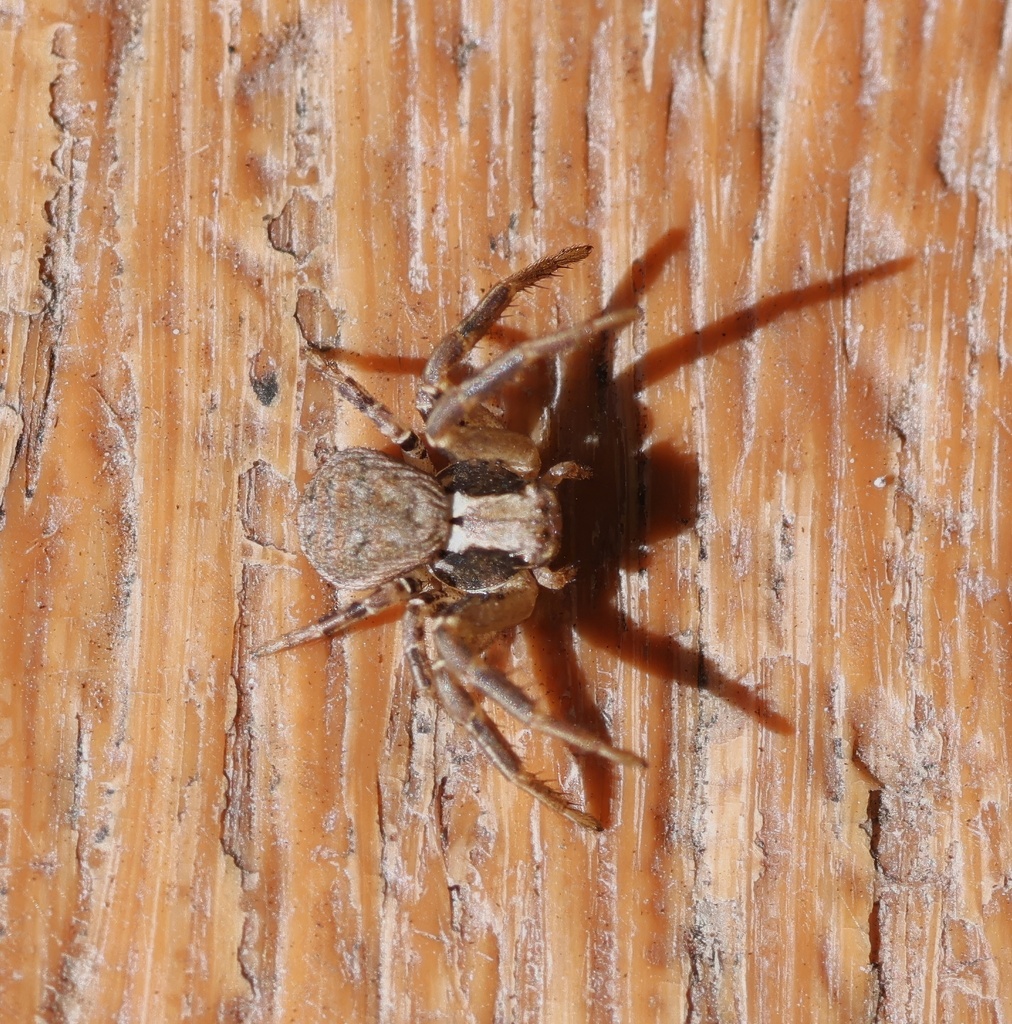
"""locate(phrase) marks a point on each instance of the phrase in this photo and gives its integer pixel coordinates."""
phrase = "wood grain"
(793, 597)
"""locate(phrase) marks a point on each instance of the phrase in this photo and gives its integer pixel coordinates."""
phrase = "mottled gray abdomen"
(365, 518)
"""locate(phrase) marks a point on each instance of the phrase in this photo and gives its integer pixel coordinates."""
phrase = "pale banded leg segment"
(385, 421)
(395, 592)
(417, 611)
(461, 707)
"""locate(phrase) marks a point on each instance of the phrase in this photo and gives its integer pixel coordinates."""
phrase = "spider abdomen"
(365, 518)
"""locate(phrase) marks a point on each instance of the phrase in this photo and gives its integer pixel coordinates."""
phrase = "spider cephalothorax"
(463, 550)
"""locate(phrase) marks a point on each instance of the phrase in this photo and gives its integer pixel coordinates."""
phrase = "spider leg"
(567, 470)
(454, 404)
(385, 421)
(554, 579)
(515, 451)
(465, 712)
(463, 663)
(475, 325)
(385, 595)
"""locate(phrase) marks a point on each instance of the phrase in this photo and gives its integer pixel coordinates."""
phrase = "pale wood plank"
(799, 498)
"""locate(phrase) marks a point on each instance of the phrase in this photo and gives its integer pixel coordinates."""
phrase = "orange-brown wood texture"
(794, 591)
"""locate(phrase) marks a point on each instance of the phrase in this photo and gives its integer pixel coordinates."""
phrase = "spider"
(464, 548)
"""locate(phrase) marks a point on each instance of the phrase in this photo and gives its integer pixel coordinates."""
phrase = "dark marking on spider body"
(464, 550)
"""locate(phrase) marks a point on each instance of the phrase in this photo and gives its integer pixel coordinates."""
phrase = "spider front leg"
(453, 405)
(456, 344)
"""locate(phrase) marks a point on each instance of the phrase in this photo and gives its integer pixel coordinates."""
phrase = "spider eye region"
(365, 518)
(495, 536)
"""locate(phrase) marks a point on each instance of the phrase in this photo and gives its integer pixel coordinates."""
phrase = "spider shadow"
(392, 365)
(636, 499)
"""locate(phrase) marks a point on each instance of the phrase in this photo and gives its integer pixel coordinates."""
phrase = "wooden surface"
(794, 557)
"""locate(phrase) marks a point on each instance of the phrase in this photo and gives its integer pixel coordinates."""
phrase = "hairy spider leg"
(385, 421)
(458, 342)
(469, 715)
(456, 402)
(395, 591)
